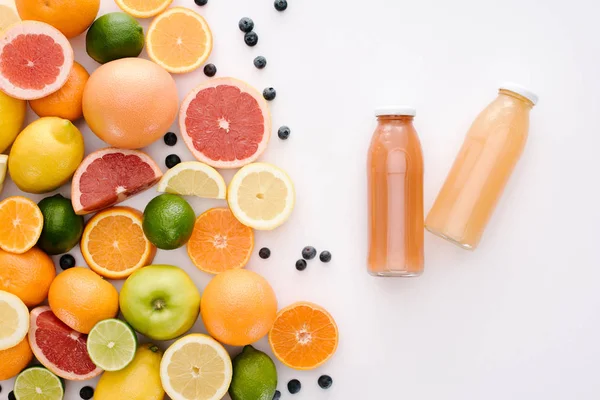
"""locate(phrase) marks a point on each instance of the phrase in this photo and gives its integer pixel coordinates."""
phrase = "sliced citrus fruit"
(196, 367)
(220, 242)
(230, 135)
(3, 167)
(113, 243)
(14, 320)
(261, 196)
(109, 176)
(59, 348)
(304, 336)
(8, 14)
(179, 40)
(193, 178)
(21, 223)
(38, 383)
(111, 344)
(35, 60)
(143, 8)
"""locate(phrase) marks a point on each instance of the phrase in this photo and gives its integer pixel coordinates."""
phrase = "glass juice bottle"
(395, 179)
(481, 170)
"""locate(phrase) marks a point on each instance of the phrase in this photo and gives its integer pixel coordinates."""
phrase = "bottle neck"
(515, 96)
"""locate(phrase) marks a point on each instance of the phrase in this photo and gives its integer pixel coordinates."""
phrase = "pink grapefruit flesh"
(59, 348)
(109, 176)
(225, 123)
(35, 60)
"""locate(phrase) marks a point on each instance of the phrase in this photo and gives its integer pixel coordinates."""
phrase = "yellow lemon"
(8, 14)
(140, 380)
(45, 155)
(12, 116)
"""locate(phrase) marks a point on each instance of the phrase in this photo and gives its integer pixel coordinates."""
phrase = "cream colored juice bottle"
(395, 179)
(482, 168)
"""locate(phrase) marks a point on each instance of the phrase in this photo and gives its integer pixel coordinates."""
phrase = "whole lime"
(168, 221)
(254, 376)
(114, 36)
(62, 227)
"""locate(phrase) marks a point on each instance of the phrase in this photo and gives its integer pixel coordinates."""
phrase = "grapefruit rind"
(186, 68)
(121, 196)
(243, 87)
(238, 211)
(36, 27)
(41, 357)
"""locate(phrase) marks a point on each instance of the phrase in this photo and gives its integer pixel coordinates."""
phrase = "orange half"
(21, 223)
(304, 336)
(220, 242)
(113, 243)
(179, 40)
(143, 8)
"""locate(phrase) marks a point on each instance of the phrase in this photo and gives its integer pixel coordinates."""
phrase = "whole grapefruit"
(238, 307)
(130, 103)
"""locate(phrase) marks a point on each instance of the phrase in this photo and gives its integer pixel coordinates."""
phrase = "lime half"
(111, 344)
(37, 383)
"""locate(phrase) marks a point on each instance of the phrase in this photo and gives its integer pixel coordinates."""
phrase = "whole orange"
(15, 359)
(81, 298)
(238, 307)
(130, 103)
(28, 276)
(71, 17)
(66, 103)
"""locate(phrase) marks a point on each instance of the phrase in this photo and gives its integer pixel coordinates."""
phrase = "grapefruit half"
(35, 60)
(225, 123)
(59, 348)
(109, 176)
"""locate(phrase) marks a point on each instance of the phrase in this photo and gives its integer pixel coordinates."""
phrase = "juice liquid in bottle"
(482, 168)
(395, 180)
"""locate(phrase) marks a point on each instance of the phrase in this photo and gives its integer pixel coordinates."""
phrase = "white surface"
(517, 319)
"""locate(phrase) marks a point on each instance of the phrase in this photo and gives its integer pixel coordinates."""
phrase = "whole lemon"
(140, 380)
(12, 116)
(45, 155)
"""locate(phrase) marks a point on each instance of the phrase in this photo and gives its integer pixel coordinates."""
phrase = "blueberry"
(0, 389)
(67, 261)
(264, 253)
(325, 256)
(309, 252)
(281, 5)
(294, 386)
(86, 392)
(201, 2)
(301, 265)
(11, 396)
(325, 381)
(277, 395)
(284, 132)
(246, 24)
(251, 38)
(269, 94)
(210, 70)
(172, 160)
(170, 139)
(260, 62)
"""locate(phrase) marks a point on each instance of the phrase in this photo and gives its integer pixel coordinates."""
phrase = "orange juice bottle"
(485, 162)
(395, 179)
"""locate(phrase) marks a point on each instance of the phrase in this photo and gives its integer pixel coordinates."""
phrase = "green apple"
(160, 301)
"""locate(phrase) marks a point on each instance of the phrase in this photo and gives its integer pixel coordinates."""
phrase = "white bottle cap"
(395, 110)
(520, 90)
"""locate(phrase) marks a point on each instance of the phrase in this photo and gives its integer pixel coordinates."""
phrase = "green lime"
(62, 227)
(254, 376)
(111, 344)
(168, 221)
(37, 383)
(114, 36)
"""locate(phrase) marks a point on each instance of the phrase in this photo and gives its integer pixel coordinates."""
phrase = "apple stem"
(159, 304)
